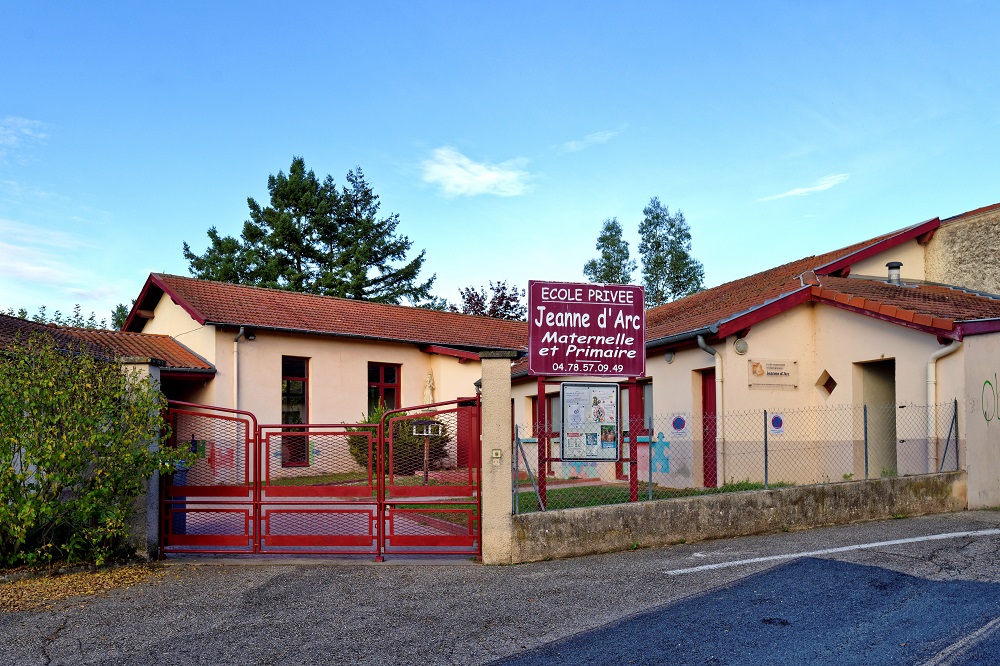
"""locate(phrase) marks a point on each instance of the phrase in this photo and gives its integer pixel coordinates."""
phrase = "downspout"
(236, 369)
(932, 397)
(720, 421)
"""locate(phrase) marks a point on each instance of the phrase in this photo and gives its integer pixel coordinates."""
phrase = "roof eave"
(977, 326)
(470, 348)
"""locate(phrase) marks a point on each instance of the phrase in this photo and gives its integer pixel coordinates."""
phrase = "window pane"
(647, 396)
(555, 413)
(389, 374)
(374, 373)
(389, 397)
(373, 398)
(293, 401)
(294, 366)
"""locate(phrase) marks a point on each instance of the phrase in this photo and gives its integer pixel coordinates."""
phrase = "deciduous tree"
(669, 271)
(502, 302)
(614, 265)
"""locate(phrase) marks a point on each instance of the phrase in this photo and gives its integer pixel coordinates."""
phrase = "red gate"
(408, 485)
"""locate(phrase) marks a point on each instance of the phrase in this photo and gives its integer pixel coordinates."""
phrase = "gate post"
(496, 521)
(144, 520)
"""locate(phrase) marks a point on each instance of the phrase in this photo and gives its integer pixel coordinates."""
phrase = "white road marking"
(830, 551)
(947, 656)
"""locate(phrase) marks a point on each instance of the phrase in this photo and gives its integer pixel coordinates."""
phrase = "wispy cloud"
(590, 140)
(18, 232)
(33, 266)
(457, 175)
(14, 131)
(824, 183)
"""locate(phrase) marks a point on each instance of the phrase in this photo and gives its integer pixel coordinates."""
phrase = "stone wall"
(965, 253)
(587, 531)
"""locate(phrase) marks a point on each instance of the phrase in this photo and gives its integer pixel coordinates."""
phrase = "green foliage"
(120, 315)
(316, 238)
(614, 265)
(669, 271)
(503, 302)
(407, 447)
(76, 320)
(75, 437)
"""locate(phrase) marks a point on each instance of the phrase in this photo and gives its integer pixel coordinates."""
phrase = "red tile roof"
(234, 305)
(717, 305)
(736, 305)
(923, 305)
(141, 345)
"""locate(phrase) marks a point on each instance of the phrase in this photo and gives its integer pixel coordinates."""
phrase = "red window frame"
(641, 385)
(381, 384)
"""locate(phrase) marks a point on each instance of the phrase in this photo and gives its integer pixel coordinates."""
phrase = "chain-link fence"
(685, 454)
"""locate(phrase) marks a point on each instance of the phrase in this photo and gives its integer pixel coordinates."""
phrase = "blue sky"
(503, 134)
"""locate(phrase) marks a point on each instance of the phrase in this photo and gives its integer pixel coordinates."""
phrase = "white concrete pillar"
(496, 485)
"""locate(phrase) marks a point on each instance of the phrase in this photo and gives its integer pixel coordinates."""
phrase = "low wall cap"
(500, 354)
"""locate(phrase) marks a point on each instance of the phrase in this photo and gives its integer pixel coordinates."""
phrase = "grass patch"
(352, 479)
(456, 517)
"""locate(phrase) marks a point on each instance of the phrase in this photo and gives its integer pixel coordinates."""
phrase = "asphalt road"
(921, 595)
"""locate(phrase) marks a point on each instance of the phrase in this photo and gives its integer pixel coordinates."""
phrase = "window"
(553, 414)
(645, 389)
(294, 409)
(383, 386)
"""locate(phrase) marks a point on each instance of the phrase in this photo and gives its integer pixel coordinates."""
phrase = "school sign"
(590, 330)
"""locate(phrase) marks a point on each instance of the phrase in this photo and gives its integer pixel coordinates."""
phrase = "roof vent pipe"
(894, 267)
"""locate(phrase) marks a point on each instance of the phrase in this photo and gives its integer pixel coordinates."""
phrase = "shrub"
(407, 448)
(75, 439)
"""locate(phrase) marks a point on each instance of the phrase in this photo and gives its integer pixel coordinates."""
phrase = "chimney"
(894, 267)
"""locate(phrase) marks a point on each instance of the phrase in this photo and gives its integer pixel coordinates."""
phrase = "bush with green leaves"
(79, 438)
(407, 447)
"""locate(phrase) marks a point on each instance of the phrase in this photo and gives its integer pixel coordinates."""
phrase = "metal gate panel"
(318, 489)
(208, 506)
(431, 501)
(407, 485)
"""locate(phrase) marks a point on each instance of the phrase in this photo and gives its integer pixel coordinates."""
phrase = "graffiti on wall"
(990, 401)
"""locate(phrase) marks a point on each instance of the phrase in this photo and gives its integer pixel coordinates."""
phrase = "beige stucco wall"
(452, 378)
(338, 374)
(338, 368)
(980, 427)
(965, 253)
(911, 254)
(816, 337)
(171, 319)
(819, 338)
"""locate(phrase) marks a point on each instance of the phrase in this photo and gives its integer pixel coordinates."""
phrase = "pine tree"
(669, 271)
(315, 238)
(614, 265)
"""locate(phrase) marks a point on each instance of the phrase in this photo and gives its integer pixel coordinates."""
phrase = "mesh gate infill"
(409, 485)
(208, 506)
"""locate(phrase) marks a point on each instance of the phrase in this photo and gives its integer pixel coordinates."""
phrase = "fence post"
(649, 457)
(955, 416)
(515, 483)
(866, 441)
(765, 448)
